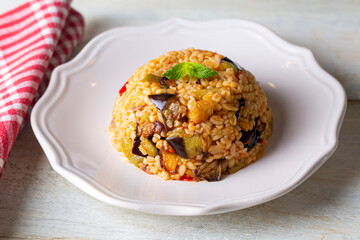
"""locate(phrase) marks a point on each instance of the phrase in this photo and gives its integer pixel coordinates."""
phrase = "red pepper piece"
(186, 178)
(123, 89)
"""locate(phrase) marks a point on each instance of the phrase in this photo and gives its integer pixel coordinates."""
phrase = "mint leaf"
(176, 72)
(189, 68)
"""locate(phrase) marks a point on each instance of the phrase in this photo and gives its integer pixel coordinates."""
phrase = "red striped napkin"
(34, 38)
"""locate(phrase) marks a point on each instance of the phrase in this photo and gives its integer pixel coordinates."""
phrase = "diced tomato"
(171, 150)
(123, 89)
(186, 178)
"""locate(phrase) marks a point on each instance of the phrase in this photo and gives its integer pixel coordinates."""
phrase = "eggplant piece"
(177, 143)
(149, 147)
(136, 143)
(249, 138)
(252, 137)
(159, 127)
(226, 61)
(187, 147)
(160, 100)
(214, 174)
(205, 155)
(125, 145)
(172, 110)
(241, 105)
(242, 102)
(193, 146)
(164, 121)
(149, 129)
(217, 176)
(135, 149)
(151, 78)
(164, 81)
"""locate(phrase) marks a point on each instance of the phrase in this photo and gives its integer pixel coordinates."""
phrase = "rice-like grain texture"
(190, 128)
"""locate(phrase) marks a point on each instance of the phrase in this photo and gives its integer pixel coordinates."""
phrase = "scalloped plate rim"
(57, 155)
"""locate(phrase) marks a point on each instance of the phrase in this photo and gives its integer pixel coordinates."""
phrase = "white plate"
(71, 119)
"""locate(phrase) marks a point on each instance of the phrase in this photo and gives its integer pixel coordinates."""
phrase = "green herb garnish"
(189, 68)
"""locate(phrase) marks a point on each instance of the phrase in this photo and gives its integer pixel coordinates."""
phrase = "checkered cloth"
(34, 38)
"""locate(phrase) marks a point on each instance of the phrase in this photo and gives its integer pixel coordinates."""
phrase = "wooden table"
(37, 203)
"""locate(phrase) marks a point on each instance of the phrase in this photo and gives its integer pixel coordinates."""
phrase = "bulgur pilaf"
(191, 128)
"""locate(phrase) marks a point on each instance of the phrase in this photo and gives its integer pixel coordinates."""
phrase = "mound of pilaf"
(191, 128)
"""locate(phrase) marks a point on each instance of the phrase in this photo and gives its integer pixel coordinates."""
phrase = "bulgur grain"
(225, 136)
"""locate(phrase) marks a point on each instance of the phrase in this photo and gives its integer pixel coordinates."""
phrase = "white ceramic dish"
(71, 119)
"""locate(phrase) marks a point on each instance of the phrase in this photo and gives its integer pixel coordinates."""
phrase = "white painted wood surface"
(330, 28)
(37, 203)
